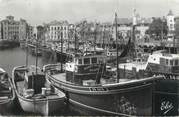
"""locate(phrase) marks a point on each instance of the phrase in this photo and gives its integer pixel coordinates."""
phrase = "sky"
(43, 11)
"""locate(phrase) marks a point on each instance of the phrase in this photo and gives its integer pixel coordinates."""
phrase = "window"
(79, 61)
(86, 60)
(176, 62)
(166, 61)
(171, 25)
(171, 62)
(94, 60)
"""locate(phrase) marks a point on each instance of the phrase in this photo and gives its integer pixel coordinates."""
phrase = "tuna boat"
(34, 93)
(92, 90)
(7, 94)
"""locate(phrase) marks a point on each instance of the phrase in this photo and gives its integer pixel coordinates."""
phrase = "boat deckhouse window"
(176, 62)
(100, 60)
(171, 62)
(94, 60)
(79, 61)
(162, 61)
(166, 61)
(86, 60)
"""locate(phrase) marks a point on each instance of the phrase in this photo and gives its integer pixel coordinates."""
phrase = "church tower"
(170, 23)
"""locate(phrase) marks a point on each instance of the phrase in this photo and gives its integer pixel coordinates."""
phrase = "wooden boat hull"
(129, 98)
(42, 107)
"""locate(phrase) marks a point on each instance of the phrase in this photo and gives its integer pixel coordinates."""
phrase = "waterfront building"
(124, 26)
(106, 33)
(30, 31)
(71, 31)
(176, 40)
(22, 29)
(57, 30)
(12, 29)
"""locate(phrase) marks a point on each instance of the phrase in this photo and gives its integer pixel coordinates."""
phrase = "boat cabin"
(88, 66)
(112, 53)
(164, 62)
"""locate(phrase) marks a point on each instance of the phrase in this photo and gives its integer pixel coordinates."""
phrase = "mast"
(75, 41)
(117, 47)
(95, 31)
(36, 51)
(61, 51)
(69, 38)
(103, 37)
(26, 52)
(134, 23)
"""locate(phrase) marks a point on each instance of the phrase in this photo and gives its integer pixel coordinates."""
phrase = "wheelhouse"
(84, 60)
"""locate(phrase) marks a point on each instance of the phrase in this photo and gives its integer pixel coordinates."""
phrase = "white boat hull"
(43, 106)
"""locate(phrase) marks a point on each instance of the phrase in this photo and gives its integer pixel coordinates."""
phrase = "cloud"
(39, 11)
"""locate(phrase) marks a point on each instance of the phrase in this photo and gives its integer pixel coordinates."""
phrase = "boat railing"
(52, 67)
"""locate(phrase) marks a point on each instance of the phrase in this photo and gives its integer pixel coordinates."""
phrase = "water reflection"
(16, 57)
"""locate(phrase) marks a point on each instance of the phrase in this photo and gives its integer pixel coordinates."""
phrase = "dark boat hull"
(123, 103)
(4, 44)
(166, 98)
(132, 98)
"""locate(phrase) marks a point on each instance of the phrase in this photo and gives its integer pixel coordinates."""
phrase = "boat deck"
(51, 95)
(62, 77)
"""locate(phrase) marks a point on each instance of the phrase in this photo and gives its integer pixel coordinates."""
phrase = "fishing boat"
(159, 62)
(92, 90)
(163, 62)
(5, 43)
(166, 90)
(34, 93)
(7, 93)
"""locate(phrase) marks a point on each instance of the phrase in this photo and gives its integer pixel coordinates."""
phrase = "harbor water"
(10, 58)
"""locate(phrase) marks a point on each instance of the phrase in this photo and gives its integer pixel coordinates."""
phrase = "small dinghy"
(34, 92)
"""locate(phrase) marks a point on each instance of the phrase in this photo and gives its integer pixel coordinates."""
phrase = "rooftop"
(55, 22)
